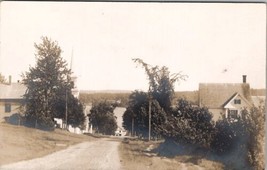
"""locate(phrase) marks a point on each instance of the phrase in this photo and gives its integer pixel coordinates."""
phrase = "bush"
(255, 154)
(189, 124)
(242, 139)
(229, 136)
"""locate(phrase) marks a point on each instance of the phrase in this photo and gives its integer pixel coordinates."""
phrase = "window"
(233, 114)
(7, 108)
(237, 101)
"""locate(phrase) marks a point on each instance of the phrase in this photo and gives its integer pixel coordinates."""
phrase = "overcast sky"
(211, 43)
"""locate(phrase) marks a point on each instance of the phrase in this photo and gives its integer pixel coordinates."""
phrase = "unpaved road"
(101, 154)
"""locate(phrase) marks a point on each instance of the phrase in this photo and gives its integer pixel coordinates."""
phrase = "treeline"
(120, 98)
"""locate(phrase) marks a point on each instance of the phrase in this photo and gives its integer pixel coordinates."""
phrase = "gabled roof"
(215, 95)
(12, 91)
(228, 103)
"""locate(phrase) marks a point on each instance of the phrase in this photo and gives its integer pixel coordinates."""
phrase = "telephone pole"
(149, 113)
(66, 113)
(132, 126)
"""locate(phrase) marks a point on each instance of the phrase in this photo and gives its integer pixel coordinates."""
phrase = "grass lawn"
(135, 154)
(22, 143)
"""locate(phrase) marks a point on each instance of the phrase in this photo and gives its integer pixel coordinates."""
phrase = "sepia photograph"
(132, 85)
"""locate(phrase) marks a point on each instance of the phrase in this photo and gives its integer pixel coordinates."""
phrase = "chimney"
(9, 80)
(244, 78)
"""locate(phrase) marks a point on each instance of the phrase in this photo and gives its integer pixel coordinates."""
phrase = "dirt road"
(101, 154)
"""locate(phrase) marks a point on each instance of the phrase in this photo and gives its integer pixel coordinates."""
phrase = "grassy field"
(137, 155)
(22, 143)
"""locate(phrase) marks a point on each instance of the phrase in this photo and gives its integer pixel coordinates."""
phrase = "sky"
(208, 42)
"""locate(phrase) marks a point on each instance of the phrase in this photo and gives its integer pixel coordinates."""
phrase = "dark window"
(233, 114)
(237, 101)
(7, 108)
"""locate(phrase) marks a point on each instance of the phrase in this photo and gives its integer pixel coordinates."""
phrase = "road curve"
(94, 155)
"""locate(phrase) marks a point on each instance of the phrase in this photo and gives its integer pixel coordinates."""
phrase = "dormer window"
(237, 101)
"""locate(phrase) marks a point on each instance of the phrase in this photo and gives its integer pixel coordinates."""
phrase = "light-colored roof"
(215, 95)
(230, 106)
(12, 91)
(191, 96)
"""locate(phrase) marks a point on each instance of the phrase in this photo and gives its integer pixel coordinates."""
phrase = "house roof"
(215, 95)
(228, 103)
(191, 96)
(12, 91)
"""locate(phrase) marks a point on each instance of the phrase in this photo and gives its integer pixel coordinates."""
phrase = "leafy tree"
(136, 114)
(160, 94)
(228, 136)
(189, 124)
(102, 118)
(48, 86)
(243, 138)
(161, 83)
(256, 122)
(76, 116)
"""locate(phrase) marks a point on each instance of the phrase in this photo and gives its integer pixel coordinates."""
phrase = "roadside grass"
(21, 143)
(136, 154)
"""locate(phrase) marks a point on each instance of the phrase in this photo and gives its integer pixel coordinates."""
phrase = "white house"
(226, 100)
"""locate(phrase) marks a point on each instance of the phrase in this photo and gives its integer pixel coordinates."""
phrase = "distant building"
(11, 98)
(118, 112)
(225, 100)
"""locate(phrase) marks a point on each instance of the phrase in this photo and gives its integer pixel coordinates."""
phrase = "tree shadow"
(15, 119)
(188, 153)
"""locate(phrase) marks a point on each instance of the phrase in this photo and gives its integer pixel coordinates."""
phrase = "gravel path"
(94, 155)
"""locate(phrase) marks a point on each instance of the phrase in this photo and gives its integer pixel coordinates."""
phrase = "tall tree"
(158, 100)
(135, 118)
(161, 83)
(48, 86)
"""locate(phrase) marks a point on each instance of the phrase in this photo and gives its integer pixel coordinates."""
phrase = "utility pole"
(66, 113)
(149, 116)
(132, 126)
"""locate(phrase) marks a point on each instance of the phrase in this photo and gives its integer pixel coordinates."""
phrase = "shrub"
(189, 124)
(243, 139)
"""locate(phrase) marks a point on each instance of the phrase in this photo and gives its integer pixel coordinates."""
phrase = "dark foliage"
(48, 86)
(161, 83)
(229, 136)
(189, 124)
(102, 118)
(136, 115)
(242, 139)
(160, 95)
